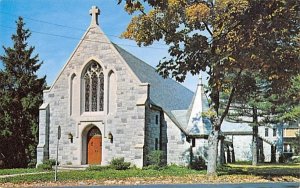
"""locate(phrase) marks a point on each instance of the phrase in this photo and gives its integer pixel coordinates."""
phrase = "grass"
(18, 171)
(264, 169)
(103, 174)
(233, 171)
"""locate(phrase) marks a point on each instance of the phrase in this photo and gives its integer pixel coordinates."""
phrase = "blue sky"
(58, 25)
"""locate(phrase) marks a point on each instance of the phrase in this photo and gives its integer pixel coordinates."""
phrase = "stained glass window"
(87, 93)
(94, 88)
(101, 91)
(94, 92)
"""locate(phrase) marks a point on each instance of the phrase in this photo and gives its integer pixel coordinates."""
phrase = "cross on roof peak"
(94, 11)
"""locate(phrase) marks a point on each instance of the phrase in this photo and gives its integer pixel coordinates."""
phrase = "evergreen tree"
(21, 94)
(264, 105)
(258, 106)
(292, 106)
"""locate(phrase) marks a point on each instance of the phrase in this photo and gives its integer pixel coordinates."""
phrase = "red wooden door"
(94, 146)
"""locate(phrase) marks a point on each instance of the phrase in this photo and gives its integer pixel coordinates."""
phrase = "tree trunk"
(221, 160)
(212, 153)
(254, 139)
(254, 146)
(228, 154)
(233, 154)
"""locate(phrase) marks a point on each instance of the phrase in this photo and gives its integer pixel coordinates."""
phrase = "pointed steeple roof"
(196, 124)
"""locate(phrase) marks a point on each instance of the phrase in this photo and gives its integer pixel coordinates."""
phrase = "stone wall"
(126, 122)
(43, 146)
(152, 131)
(178, 149)
(201, 148)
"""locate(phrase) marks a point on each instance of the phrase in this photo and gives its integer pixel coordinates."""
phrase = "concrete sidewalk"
(23, 174)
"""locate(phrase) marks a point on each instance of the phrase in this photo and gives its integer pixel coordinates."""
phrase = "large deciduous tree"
(221, 37)
(21, 95)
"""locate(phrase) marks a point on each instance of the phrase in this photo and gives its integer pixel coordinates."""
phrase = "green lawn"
(264, 169)
(173, 172)
(103, 174)
(18, 171)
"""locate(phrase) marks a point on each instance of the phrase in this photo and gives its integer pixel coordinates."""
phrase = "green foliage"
(47, 164)
(21, 96)
(32, 163)
(296, 159)
(292, 106)
(119, 164)
(172, 172)
(156, 159)
(243, 162)
(109, 173)
(18, 171)
(98, 168)
(296, 144)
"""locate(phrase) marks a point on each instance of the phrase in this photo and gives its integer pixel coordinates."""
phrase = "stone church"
(109, 104)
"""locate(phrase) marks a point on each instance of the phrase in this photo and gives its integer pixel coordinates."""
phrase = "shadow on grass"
(266, 171)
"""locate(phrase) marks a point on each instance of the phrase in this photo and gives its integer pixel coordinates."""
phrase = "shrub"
(32, 163)
(295, 159)
(156, 160)
(119, 164)
(152, 167)
(47, 164)
(198, 163)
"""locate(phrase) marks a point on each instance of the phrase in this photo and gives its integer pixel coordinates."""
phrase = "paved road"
(243, 185)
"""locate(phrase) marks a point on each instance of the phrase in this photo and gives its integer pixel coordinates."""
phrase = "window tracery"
(93, 88)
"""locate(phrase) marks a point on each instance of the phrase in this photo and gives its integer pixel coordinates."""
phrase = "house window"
(93, 88)
(266, 132)
(274, 132)
(156, 119)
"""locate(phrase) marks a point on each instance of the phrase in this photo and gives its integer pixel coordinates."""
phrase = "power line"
(74, 38)
(41, 21)
(59, 25)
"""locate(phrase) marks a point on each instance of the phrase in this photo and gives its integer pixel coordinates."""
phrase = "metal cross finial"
(94, 12)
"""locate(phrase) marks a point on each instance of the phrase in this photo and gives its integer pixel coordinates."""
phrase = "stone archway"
(94, 146)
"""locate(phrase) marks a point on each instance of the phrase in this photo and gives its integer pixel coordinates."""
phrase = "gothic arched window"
(93, 88)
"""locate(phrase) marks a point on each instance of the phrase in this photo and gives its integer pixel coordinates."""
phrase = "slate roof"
(194, 124)
(181, 117)
(165, 93)
(205, 105)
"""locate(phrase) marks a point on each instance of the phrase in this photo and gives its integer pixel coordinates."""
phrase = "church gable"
(95, 90)
(108, 96)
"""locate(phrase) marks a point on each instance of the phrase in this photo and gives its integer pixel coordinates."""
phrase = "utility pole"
(58, 138)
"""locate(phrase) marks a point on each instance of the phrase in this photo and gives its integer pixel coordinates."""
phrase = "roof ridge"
(168, 78)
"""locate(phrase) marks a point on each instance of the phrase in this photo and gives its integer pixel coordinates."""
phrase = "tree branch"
(159, 26)
(230, 98)
(207, 28)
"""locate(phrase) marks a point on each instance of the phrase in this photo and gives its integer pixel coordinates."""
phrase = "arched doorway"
(94, 146)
